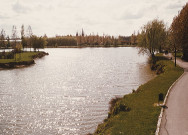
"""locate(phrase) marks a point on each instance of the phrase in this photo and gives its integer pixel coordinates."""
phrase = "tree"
(133, 39)
(2, 39)
(179, 31)
(24, 42)
(174, 35)
(22, 31)
(8, 42)
(14, 37)
(61, 41)
(23, 39)
(38, 42)
(29, 35)
(152, 37)
(115, 42)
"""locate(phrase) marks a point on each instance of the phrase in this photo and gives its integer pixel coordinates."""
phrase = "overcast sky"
(62, 17)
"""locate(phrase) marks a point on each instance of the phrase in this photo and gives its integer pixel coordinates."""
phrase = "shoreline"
(123, 117)
(21, 64)
(91, 46)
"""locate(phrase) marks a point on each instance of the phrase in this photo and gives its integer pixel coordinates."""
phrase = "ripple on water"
(70, 96)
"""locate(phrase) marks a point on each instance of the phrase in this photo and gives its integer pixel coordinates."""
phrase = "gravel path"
(175, 117)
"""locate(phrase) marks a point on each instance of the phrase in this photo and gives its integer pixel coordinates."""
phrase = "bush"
(116, 107)
(10, 55)
(120, 107)
(112, 102)
(156, 65)
(6, 55)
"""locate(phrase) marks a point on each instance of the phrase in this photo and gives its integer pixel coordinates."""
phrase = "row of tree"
(61, 41)
(90, 40)
(27, 40)
(105, 40)
(96, 40)
(179, 32)
(156, 37)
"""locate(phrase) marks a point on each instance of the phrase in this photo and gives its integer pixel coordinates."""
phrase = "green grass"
(178, 54)
(25, 56)
(143, 116)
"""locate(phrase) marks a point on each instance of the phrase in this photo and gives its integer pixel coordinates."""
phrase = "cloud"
(132, 16)
(19, 8)
(64, 17)
(4, 17)
(174, 6)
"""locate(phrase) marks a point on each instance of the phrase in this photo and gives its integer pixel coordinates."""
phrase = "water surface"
(68, 91)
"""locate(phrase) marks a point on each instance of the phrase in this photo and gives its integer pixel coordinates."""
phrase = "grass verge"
(136, 114)
(25, 56)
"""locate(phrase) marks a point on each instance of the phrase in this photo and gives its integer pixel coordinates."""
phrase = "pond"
(68, 92)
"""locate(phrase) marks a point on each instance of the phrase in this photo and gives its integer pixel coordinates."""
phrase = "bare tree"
(23, 39)
(29, 35)
(14, 37)
(22, 31)
(8, 42)
(2, 38)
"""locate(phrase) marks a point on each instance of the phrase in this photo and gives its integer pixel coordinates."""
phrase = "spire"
(82, 32)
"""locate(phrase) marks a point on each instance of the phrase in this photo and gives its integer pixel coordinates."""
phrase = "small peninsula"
(20, 60)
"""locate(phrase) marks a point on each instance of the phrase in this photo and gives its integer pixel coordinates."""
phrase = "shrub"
(120, 107)
(112, 102)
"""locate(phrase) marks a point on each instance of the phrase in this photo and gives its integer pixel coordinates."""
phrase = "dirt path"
(175, 117)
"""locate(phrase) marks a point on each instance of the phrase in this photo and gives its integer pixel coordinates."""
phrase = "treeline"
(96, 40)
(26, 39)
(61, 41)
(155, 36)
(179, 32)
(105, 40)
(91, 40)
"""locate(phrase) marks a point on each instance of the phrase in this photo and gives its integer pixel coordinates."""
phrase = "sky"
(63, 17)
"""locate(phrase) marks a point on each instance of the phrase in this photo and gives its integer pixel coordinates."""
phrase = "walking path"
(175, 117)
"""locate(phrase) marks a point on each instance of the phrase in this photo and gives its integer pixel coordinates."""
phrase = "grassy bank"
(9, 60)
(136, 114)
(25, 56)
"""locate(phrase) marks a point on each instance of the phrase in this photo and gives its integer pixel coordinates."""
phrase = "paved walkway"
(175, 117)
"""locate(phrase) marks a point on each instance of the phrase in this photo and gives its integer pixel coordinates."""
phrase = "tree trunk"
(185, 54)
(175, 56)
